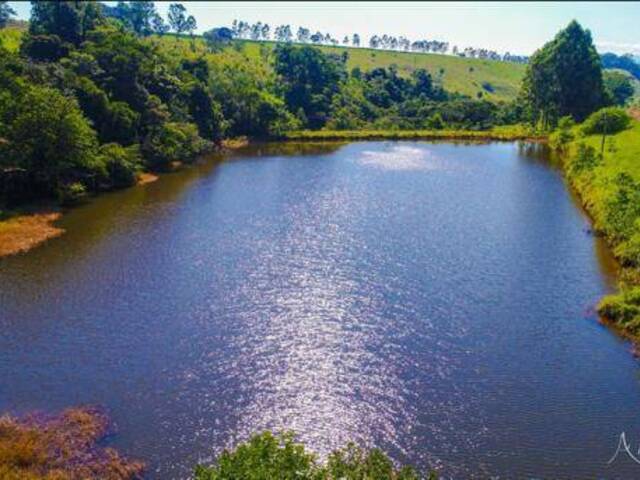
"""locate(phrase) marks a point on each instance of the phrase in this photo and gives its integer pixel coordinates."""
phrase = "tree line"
(284, 33)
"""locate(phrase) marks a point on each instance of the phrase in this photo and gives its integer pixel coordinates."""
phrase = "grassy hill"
(495, 80)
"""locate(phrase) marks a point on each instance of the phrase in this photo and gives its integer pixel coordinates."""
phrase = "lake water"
(431, 299)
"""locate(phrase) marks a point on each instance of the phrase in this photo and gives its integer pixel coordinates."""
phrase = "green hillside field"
(494, 80)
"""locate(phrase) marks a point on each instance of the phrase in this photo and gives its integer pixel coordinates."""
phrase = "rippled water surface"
(430, 299)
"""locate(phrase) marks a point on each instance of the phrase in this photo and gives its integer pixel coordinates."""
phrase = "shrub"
(488, 87)
(606, 120)
(72, 193)
(266, 457)
(60, 447)
(122, 164)
(623, 309)
(563, 134)
(173, 142)
(585, 159)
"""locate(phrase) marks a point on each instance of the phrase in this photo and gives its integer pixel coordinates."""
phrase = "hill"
(469, 76)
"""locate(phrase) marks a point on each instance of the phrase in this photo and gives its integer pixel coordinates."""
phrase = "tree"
(303, 35)
(618, 86)
(190, 25)
(141, 16)
(309, 80)
(564, 77)
(6, 12)
(356, 40)
(177, 17)
(48, 136)
(217, 38)
(159, 26)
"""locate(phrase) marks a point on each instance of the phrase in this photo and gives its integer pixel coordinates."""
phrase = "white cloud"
(617, 47)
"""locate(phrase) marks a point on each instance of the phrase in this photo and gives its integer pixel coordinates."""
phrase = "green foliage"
(71, 194)
(623, 308)
(309, 80)
(6, 12)
(265, 457)
(121, 164)
(563, 134)
(68, 20)
(173, 142)
(607, 120)
(47, 134)
(618, 86)
(564, 77)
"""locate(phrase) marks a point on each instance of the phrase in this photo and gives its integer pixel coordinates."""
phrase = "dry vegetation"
(24, 232)
(61, 447)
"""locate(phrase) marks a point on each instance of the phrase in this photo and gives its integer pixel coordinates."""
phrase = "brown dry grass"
(23, 232)
(145, 178)
(61, 447)
(635, 112)
(234, 143)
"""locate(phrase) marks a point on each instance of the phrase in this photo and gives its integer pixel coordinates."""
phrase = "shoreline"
(25, 230)
(620, 309)
(499, 134)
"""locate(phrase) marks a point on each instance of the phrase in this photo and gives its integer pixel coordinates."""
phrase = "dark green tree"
(309, 80)
(619, 87)
(564, 77)
(69, 20)
(6, 12)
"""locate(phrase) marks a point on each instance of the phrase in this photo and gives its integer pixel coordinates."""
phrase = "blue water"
(431, 299)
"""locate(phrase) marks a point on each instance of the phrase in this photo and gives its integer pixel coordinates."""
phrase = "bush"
(607, 120)
(623, 309)
(563, 134)
(173, 142)
(122, 164)
(72, 193)
(266, 457)
(585, 159)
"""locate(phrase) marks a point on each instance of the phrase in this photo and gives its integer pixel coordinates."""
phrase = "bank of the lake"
(503, 133)
(609, 188)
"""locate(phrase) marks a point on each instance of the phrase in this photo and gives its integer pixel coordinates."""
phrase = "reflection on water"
(431, 299)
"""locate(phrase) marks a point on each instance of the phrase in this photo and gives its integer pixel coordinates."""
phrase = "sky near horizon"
(516, 27)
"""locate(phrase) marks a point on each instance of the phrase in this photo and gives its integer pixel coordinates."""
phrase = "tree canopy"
(564, 77)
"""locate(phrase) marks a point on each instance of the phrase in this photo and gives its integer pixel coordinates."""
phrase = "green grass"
(609, 186)
(510, 132)
(455, 74)
(467, 76)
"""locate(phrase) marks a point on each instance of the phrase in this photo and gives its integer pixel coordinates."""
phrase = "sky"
(516, 27)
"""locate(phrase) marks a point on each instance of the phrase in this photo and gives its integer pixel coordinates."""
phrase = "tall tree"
(309, 80)
(141, 15)
(177, 17)
(69, 20)
(6, 12)
(564, 78)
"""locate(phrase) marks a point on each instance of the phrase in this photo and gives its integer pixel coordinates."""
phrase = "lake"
(431, 299)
